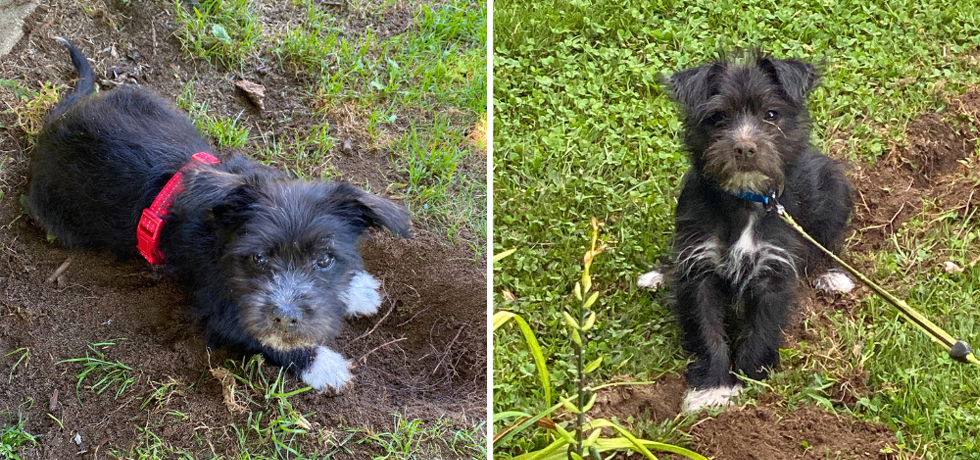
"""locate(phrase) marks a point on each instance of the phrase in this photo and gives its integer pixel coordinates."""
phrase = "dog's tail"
(86, 79)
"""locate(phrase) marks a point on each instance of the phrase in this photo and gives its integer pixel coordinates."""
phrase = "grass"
(13, 436)
(225, 133)
(582, 128)
(107, 374)
(415, 439)
(225, 31)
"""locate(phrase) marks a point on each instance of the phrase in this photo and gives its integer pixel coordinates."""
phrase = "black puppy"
(736, 264)
(270, 263)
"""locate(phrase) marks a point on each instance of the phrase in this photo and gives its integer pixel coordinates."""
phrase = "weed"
(578, 321)
(13, 436)
(224, 30)
(31, 107)
(107, 374)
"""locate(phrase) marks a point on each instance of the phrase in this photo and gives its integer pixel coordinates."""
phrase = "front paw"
(328, 371)
(362, 296)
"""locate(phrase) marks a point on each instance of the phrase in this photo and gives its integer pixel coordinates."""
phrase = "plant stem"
(581, 382)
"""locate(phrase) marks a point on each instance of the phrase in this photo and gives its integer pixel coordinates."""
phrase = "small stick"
(58, 271)
(363, 359)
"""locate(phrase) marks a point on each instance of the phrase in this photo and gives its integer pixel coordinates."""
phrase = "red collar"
(148, 231)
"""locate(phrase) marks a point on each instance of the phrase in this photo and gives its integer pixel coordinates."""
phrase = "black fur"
(747, 130)
(253, 248)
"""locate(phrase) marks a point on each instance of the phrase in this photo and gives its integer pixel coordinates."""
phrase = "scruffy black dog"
(270, 263)
(737, 264)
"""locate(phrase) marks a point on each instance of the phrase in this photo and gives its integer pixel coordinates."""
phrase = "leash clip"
(771, 203)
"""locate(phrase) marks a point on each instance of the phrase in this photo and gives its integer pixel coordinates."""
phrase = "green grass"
(225, 133)
(102, 374)
(225, 31)
(582, 128)
(13, 436)
(417, 440)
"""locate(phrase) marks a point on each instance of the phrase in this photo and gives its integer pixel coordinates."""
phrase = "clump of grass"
(415, 439)
(162, 393)
(30, 107)
(226, 31)
(224, 132)
(273, 425)
(309, 45)
(107, 374)
(149, 446)
(13, 436)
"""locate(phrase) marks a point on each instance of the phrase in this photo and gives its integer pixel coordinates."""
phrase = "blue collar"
(751, 196)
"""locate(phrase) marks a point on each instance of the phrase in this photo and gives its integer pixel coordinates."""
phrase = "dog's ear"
(365, 210)
(235, 208)
(229, 196)
(795, 77)
(692, 88)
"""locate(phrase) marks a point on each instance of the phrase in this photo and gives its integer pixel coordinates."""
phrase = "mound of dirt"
(765, 433)
(890, 192)
(423, 356)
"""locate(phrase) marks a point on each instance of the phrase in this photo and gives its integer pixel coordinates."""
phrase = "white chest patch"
(741, 262)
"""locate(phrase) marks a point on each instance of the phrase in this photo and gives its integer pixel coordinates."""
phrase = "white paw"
(695, 400)
(362, 296)
(328, 371)
(651, 280)
(834, 281)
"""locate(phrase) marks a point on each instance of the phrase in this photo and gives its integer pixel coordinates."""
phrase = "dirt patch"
(766, 433)
(939, 150)
(657, 402)
(422, 357)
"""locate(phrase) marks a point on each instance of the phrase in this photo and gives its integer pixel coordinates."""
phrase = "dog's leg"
(834, 281)
(767, 304)
(319, 367)
(362, 297)
(701, 305)
(329, 370)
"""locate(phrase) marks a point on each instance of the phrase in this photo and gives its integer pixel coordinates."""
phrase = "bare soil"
(938, 163)
(423, 356)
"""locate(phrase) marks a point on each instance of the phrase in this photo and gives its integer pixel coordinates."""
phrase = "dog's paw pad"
(695, 400)
(328, 372)
(651, 280)
(362, 295)
(834, 281)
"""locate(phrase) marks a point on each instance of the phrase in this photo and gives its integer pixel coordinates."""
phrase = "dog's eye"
(258, 260)
(715, 118)
(324, 262)
(772, 115)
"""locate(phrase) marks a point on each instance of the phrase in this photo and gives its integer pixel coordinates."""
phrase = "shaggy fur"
(269, 263)
(736, 264)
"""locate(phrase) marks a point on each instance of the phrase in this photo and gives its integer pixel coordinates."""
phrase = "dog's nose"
(287, 316)
(745, 148)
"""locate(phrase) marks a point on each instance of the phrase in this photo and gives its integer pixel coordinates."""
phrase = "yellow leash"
(957, 349)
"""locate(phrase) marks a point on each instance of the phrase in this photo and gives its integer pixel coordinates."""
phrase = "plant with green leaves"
(109, 374)
(578, 320)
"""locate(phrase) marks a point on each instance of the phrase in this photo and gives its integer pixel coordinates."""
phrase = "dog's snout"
(287, 316)
(745, 148)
